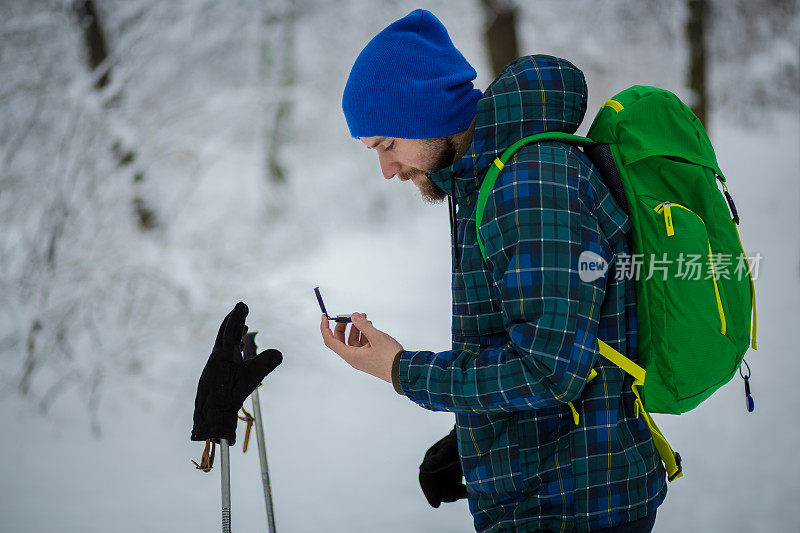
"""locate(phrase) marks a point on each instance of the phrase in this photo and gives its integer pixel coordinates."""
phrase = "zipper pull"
(730, 203)
(668, 219)
(748, 398)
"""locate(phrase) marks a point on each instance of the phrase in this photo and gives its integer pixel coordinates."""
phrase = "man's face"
(410, 159)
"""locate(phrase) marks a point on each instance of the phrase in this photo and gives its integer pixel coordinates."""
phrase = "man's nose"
(389, 167)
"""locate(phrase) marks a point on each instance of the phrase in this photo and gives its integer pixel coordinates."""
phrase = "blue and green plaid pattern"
(525, 326)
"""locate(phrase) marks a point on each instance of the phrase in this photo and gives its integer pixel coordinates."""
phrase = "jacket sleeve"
(535, 226)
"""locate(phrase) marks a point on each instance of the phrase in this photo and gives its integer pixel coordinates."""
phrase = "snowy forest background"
(162, 160)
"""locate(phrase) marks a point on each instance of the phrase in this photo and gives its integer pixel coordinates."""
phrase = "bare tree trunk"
(95, 39)
(695, 35)
(278, 76)
(98, 61)
(30, 357)
(501, 32)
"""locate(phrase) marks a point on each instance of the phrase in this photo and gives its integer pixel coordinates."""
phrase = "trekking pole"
(225, 460)
(262, 458)
(249, 352)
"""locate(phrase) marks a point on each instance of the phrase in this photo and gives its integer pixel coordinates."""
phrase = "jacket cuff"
(396, 373)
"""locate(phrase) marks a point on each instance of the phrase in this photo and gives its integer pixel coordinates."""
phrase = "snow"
(343, 447)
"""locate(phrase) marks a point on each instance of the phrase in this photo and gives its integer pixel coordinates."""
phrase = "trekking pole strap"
(207, 460)
(247, 418)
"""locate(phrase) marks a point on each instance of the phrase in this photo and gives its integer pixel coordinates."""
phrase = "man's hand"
(440, 474)
(367, 349)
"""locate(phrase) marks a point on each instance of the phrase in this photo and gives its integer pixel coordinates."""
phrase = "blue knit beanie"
(410, 82)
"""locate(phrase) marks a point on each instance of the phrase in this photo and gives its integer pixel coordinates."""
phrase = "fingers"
(240, 353)
(221, 333)
(235, 327)
(272, 358)
(356, 338)
(460, 493)
(327, 334)
(259, 367)
(365, 326)
(331, 339)
(353, 338)
(338, 331)
(336, 343)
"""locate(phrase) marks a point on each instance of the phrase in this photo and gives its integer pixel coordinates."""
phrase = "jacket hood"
(533, 94)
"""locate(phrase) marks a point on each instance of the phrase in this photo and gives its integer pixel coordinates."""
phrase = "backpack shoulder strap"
(497, 165)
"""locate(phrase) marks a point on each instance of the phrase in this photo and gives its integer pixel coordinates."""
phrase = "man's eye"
(391, 145)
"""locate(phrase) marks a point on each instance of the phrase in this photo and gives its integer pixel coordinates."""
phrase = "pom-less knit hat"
(410, 82)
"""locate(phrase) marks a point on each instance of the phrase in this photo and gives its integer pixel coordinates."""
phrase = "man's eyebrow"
(376, 143)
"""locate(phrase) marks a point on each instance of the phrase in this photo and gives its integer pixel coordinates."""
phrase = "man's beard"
(442, 151)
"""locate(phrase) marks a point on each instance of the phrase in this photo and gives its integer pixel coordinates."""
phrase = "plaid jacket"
(525, 325)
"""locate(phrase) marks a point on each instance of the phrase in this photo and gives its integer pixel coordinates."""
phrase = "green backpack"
(694, 313)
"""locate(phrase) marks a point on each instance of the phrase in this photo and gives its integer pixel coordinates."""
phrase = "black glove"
(227, 380)
(440, 472)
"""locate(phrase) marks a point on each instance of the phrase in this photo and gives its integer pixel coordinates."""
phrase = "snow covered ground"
(344, 448)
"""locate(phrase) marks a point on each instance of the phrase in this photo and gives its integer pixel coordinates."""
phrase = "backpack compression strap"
(670, 458)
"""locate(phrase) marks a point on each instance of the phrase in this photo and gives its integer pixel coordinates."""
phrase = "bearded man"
(541, 445)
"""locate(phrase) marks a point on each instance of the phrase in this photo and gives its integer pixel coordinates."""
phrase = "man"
(525, 326)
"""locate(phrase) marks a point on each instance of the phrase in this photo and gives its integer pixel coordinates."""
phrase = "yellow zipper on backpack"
(666, 208)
